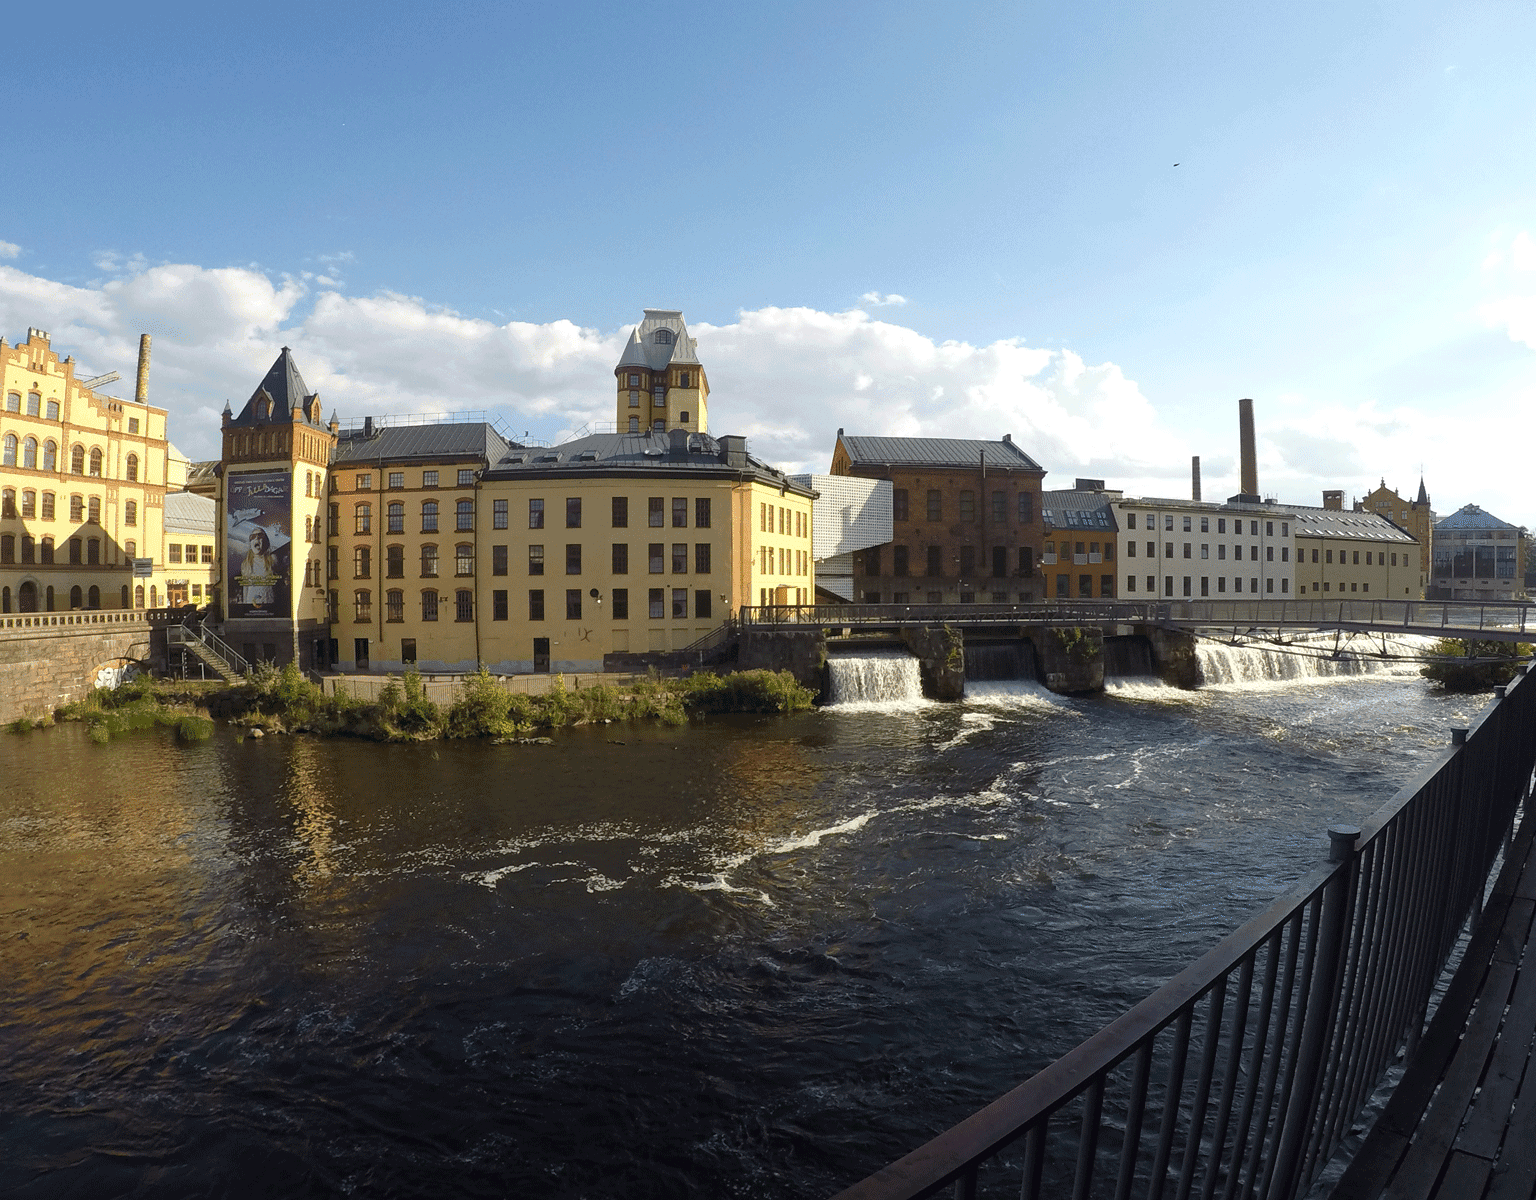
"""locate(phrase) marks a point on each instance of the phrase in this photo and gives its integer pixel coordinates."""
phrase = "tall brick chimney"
(1194, 477)
(141, 389)
(1250, 456)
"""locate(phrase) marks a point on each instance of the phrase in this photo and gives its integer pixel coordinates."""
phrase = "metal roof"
(1071, 509)
(1470, 517)
(284, 386)
(1332, 523)
(935, 452)
(631, 453)
(643, 350)
(187, 512)
(393, 443)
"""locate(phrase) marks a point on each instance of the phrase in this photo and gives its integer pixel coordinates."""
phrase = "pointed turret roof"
(646, 349)
(281, 391)
(1423, 497)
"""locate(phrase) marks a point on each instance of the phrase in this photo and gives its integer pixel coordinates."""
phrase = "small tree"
(1472, 676)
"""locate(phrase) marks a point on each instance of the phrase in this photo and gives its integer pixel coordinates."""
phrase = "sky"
(1093, 227)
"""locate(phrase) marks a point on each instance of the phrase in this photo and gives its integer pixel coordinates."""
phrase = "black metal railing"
(1241, 1075)
(189, 634)
(1449, 618)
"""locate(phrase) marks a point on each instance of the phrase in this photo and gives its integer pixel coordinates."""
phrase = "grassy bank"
(285, 701)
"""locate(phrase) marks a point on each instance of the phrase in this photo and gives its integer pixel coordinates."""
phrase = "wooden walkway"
(1462, 1123)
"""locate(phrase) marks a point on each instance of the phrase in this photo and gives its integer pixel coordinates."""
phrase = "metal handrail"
(212, 641)
(1247, 1069)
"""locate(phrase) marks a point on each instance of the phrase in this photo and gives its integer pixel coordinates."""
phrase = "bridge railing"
(1241, 1075)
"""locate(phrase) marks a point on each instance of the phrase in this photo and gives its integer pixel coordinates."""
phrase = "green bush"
(746, 691)
(1474, 676)
(483, 709)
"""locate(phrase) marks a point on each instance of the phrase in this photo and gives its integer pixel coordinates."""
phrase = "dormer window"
(662, 337)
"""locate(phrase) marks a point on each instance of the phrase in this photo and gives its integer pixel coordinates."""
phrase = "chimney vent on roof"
(367, 427)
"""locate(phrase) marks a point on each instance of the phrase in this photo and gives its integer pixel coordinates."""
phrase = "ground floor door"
(541, 656)
(175, 593)
(360, 653)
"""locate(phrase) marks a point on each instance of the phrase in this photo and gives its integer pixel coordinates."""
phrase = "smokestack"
(1194, 477)
(1250, 458)
(141, 390)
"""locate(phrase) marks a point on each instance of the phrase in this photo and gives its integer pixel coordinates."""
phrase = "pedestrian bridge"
(1513, 622)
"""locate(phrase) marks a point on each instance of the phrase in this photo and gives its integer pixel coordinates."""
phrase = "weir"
(1243, 1074)
(878, 677)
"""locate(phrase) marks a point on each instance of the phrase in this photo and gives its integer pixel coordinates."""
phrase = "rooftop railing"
(1241, 1076)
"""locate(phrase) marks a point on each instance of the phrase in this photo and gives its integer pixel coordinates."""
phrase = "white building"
(850, 514)
(1193, 550)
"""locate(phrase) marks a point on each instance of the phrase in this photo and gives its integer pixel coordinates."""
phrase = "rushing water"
(748, 957)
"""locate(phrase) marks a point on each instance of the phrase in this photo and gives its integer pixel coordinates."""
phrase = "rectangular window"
(1269, 529)
(573, 512)
(464, 559)
(1026, 507)
(573, 558)
(679, 558)
(365, 482)
(657, 555)
(394, 561)
(679, 604)
(1205, 526)
(1285, 554)
(1221, 551)
(573, 604)
(620, 506)
(397, 479)
(498, 514)
(1186, 525)
(535, 514)
(1269, 553)
(621, 604)
(899, 561)
(362, 565)
(535, 560)
(429, 562)
(332, 559)
(498, 560)
(429, 479)
(1205, 550)
(656, 511)
(899, 504)
(464, 605)
(1357, 558)
(999, 560)
(701, 558)
(701, 513)
(657, 603)
(536, 604)
(499, 605)
(173, 553)
(1221, 527)
(967, 506)
(363, 605)
(967, 561)
(429, 516)
(466, 477)
(394, 605)
(1221, 584)
(935, 562)
(999, 507)
(362, 519)
(935, 505)
(679, 512)
(1130, 549)
(1026, 561)
(395, 518)
(703, 605)
(1205, 585)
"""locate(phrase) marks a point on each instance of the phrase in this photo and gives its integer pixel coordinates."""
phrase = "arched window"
(48, 499)
(76, 597)
(9, 456)
(8, 503)
(5, 600)
(396, 515)
(13, 402)
(93, 551)
(130, 512)
(662, 337)
(29, 454)
(154, 596)
(394, 603)
(124, 601)
(658, 426)
(429, 561)
(429, 516)
(429, 606)
(465, 516)
(309, 529)
(7, 547)
(53, 415)
(34, 404)
(49, 597)
(130, 550)
(28, 549)
(261, 410)
(93, 510)
(634, 424)
(362, 601)
(94, 596)
(362, 518)
(77, 509)
(50, 455)
(27, 595)
(77, 460)
(96, 462)
(463, 559)
(47, 555)
(28, 504)
(138, 596)
(132, 468)
(309, 482)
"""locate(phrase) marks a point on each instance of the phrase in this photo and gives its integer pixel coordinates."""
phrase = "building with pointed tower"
(1414, 516)
(662, 385)
(271, 521)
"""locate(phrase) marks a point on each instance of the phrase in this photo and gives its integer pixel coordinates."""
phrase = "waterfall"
(1126, 657)
(889, 678)
(1302, 660)
(999, 660)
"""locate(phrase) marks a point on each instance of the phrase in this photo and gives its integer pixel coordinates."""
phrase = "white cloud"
(9, 250)
(787, 378)
(1514, 310)
(877, 300)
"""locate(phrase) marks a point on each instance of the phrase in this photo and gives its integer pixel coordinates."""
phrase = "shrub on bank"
(1474, 676)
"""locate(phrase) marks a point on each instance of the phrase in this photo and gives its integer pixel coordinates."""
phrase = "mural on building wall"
(257, 541)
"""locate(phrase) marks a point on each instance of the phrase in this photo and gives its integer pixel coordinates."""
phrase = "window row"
(81, 508)
(658, 555)
(783, 560)
(1149, 521)
(657, 510)
(432, 603)
(82, 551)
(1205, 551)
(394, 561)
(962, 560)
(662, 604)
(35, 406)
(28, 597)
(1205, 585)
(30, 454)
(1023, 505)
(173, 552)
(790, 522)
(363, 481)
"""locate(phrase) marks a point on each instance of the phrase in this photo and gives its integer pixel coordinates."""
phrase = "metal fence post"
(1320, 1014)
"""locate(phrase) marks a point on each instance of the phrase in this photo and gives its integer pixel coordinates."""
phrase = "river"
(750, 957)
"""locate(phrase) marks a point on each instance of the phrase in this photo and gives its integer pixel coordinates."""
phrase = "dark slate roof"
(643, 350)
(284, 387)
(935, 452)
(1423, 497)
(446, 440)
(636, 453)
(1079, 510)
(1349, 523)
(1470, 517)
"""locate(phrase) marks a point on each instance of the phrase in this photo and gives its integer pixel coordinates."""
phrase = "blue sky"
(894, 217)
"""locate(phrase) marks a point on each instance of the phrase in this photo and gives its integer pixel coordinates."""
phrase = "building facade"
(1079, 555)
(1478, 557)
(1415, 516)
(1193, 550)
(1355, 554)
(82, 487)
(965, 519)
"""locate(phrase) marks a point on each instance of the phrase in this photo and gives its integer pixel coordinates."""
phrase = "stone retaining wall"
(51, 659)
